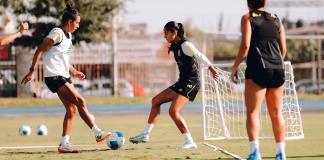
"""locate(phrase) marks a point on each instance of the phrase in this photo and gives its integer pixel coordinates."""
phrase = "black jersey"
(188, 66)
(264, 47)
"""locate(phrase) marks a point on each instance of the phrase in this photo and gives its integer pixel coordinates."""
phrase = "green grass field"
(165, 140)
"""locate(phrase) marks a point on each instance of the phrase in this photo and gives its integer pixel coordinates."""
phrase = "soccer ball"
(116, 140)
(24, 130)
(42, 130)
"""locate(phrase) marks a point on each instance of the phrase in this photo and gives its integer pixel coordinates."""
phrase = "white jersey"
(56, 59)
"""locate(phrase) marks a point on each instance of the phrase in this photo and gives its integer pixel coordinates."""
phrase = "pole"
(319, 60)
(114, 67)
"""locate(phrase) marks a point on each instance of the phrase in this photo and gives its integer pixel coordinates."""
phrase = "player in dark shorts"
(54, 51)
(184, 90)
(264, 45)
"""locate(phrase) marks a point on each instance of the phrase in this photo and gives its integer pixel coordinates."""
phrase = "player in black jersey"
(184, 90)
(264, 45)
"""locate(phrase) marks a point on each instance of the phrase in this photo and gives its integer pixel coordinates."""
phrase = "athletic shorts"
(266, 77)
(54, 83)
(187, 88)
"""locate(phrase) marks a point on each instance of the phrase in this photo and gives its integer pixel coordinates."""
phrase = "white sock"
(148, 128)
(280, 147)
(254, 145)
(95, 129)
(188, 137)
(65, 139)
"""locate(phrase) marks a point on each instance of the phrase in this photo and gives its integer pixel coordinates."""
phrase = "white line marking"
(28, 147)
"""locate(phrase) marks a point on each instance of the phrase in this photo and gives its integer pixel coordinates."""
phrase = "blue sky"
(204, 14)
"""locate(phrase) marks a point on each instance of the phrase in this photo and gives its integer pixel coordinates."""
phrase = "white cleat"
(102, 136)
(66, 148)
(189, 145)
(141, 138)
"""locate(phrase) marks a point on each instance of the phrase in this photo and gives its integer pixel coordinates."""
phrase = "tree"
(45, 14)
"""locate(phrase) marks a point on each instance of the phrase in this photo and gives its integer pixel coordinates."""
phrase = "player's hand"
(214, 72)
(27, 78)
(79, 75)
(234, 76)
(23, 27)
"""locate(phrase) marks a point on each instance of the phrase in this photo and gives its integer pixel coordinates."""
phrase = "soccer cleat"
(280, 156)
(102, 136)
(189, 145)
(141, 138)
(66, 148)
(254, 155)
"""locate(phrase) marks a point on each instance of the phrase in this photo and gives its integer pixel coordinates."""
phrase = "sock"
(254, 145)
(65, 139)
(188, 137)
(148, 128)
(95, 129)
(280, 147)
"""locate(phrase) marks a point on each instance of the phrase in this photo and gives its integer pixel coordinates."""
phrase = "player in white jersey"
(56, 49)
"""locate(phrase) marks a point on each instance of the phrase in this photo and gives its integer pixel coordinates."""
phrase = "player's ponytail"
(173, 27)
(181, 31)
(70, 13)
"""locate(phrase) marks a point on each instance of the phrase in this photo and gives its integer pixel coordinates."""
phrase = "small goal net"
(224, 112)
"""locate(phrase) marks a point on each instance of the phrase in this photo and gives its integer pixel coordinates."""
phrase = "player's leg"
(274, 101)
(70, 114)
(70, 94)
(254, 94)
(176, 106)
(165, 96)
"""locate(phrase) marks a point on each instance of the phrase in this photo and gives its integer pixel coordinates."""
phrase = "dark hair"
(172, 26)
(255, 4)
(70, 13)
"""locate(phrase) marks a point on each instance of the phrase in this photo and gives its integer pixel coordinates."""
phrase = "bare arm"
(6, 40)
(76, 73)
(282, 42)
(46, 45)
(245, 44)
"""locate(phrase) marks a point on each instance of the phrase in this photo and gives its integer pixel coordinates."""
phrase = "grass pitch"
(165, 140)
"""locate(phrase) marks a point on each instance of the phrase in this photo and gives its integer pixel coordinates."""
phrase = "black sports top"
(264, 47)
(188, 66)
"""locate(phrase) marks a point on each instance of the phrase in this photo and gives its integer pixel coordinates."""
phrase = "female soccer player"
(56, 49)
(23, 27)
(184, 90)
(263, 42)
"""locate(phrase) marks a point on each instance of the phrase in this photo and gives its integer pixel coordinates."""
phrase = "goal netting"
(224, 112)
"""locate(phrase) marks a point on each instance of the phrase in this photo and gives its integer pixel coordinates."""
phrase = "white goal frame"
(224, 110)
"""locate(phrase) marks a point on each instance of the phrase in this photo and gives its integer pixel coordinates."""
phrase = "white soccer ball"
(24, 130)
(42, 130)
(116, 140)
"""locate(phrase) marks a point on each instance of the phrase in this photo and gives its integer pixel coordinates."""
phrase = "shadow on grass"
(55, 152)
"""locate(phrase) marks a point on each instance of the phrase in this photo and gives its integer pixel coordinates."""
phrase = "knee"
(155, 102)
(275, 115)
(252, 113)
(173, 113)
(71, 112)
(81, 102)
